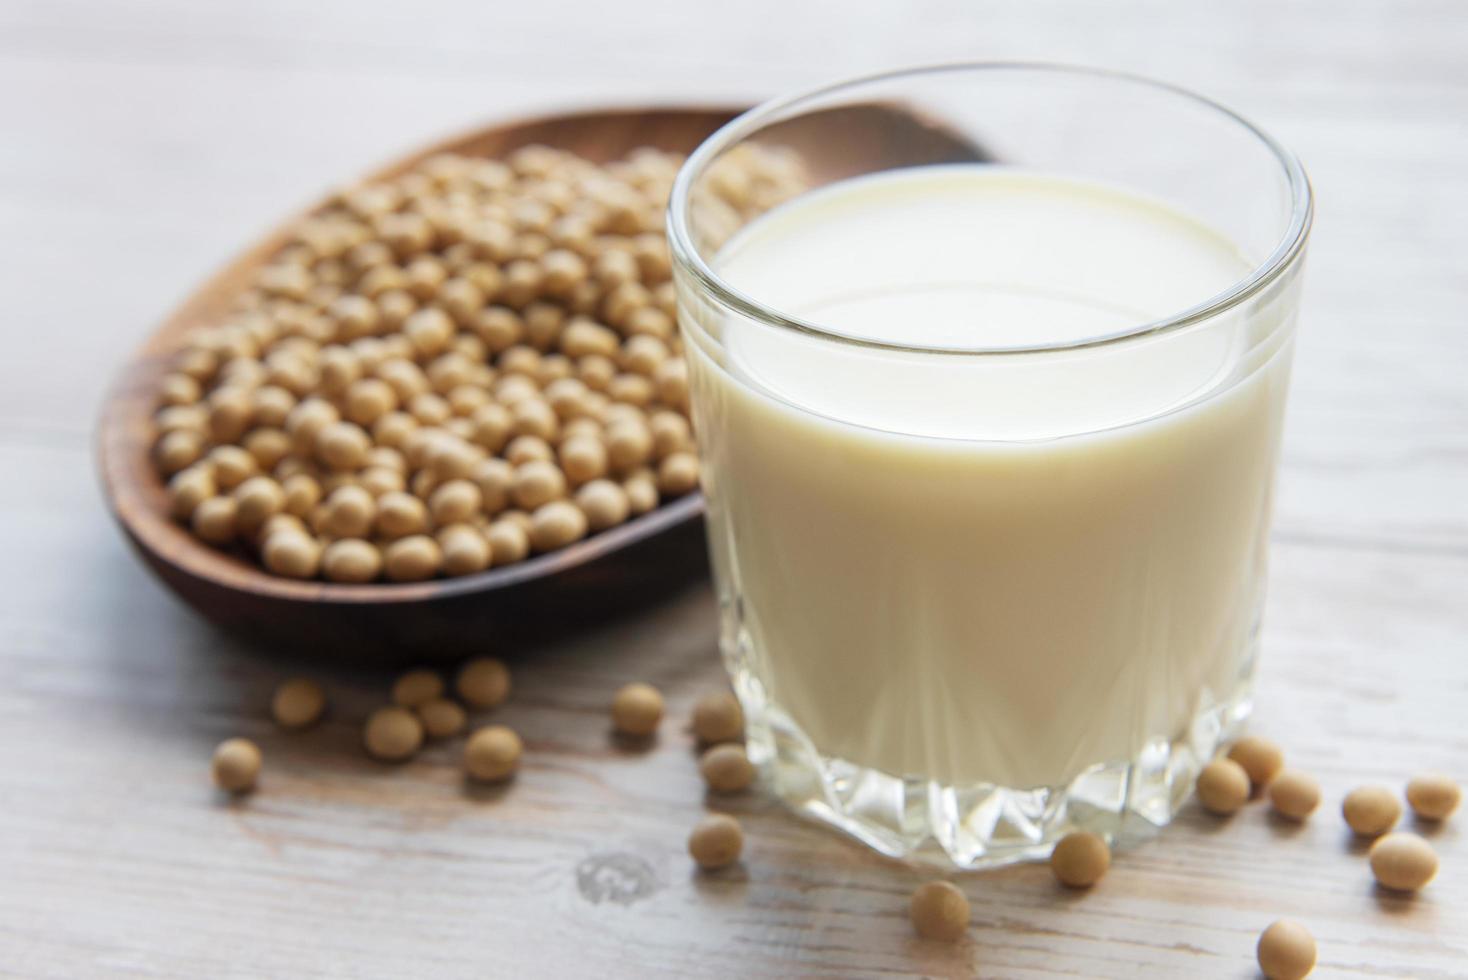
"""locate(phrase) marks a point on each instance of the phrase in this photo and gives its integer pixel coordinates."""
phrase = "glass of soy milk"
(988, 367)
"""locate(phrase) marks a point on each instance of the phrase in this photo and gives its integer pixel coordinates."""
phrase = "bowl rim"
(134, 490)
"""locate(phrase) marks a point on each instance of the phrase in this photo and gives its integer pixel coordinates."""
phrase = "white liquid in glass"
(987, 569)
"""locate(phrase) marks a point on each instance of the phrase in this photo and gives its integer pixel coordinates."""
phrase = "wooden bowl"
(496, 610)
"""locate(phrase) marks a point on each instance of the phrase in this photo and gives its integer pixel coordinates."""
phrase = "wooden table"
(144, 141)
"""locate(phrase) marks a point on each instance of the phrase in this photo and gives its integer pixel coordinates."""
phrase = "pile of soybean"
(450, 370)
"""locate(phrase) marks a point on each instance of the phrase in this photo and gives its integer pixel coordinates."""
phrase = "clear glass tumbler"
(984, 581)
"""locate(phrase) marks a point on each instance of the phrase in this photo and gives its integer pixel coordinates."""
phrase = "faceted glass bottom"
(984, 825)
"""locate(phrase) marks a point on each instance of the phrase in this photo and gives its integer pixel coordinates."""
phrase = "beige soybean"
(270, 406)
(1223, 787)
(566, 396)
(495, 479)
(716, 842)
(406, 379)
(188, 489)
(466, 399)
(448, 371)
(1261, 759)
(453, 458)
(595, 371)
(483, 682)
(191, 418)
(492, 754)
(646, 320)
(429, 330)
(283, 524)
(637, 709)
(349, 512)
(387, 458)
(392, 734)
(1433, 796)
(235, 766)
(672, 383)
(339, 366)
(257, 500)
(623, 303)
(631, 389)
(292, 554)
(492, 425)
(302, 493)
(1294, 794)
(520, 365)
(400, 514)
(178, 389)
(498, 327)
(939, 911)
(417, 687)
(430, 409)
(1286, 951)
(392, 428)
(1403, 862)
(229, 413)
(717, 717)
(556, 524)
(1080, 859)
(582, 337)
(465, 549)
(213, 520)
(509, 542)
(528, 449)
(372, 401)
(537, 482)
(642, 492)
(394, 305)
(380, 480)
(726, 768)
(268, 446)
(670, 433)
(351, 560)
(298, 703)
(412, 559)
(1371, 811)
(629, 444)
(643, 354)
(441, 717)
(455, 501)
(307, 421)
(604, 503)
(343, 445)
(178, 449)
(678, 474)
(231, 466)
(583, 458)
(581, 427)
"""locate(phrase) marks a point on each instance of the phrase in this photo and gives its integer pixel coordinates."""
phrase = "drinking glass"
(961, 627)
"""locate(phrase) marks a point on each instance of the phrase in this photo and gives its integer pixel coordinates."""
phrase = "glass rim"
(1284, 254)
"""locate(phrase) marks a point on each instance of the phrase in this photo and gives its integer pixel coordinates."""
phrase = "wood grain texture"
(147, 140)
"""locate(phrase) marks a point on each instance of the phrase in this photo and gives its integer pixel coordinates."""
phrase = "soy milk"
(997, 568)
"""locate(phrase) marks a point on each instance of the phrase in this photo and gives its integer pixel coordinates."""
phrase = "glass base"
(984, 825)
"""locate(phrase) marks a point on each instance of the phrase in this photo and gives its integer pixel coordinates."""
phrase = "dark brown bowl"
(501, 608)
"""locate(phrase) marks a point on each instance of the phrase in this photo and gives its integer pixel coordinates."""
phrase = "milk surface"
(1001, 568)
